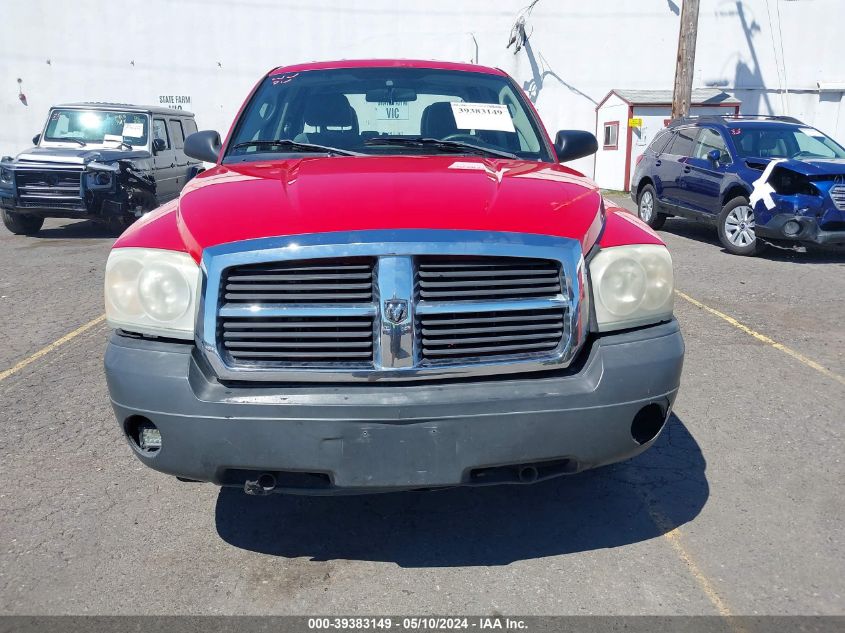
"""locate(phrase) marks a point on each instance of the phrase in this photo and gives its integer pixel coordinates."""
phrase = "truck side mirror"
(715, 156)
(159, 145)
(36, 139)
(572, 144)
(204, 146)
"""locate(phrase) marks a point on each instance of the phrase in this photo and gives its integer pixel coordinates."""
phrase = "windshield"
(765, 141)
(97, 127)
(352, 109)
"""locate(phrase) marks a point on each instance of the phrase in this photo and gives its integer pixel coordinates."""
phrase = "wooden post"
(682, 94)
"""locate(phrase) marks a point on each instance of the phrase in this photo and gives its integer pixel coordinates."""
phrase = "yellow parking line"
(764, 339)
(46, 350)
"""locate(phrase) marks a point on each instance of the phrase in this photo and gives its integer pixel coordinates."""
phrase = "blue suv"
(758, 179)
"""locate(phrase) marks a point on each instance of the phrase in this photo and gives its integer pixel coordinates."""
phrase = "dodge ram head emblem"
(395, 310)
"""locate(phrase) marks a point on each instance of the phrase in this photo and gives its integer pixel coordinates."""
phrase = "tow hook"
(264, 485)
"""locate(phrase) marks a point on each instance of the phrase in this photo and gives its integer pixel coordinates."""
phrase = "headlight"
(98, 179)
(151, 291)
(5, 175)
(632, 285)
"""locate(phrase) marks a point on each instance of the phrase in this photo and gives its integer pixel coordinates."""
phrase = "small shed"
(627, 120)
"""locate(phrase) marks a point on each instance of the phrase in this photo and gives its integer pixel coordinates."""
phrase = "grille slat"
(493, 330)
(310, 341)
(465, 278)
(305, 341)
(496, 350)
(837, 194)
(314, 281)
(315, 357)
(453, 335)
(49, 187)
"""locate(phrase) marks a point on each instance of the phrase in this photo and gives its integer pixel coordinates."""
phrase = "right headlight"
(152, 291)
(632, 285)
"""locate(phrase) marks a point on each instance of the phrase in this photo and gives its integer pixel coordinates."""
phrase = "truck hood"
(810, 168)
(81, 156)
(245, 201)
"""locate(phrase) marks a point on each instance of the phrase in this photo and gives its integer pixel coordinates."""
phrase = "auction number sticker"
(482, 116)
(135, 130)
(398, 111)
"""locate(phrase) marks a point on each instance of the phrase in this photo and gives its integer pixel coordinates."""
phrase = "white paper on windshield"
(398, 111)
(135, 130)
(112, 138)
(482, 116)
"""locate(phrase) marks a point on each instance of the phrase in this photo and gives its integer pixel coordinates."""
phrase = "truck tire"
(22, 224)
(736, 228)
(647, 208)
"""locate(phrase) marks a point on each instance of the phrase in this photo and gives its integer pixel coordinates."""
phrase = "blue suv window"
(708, 140)
(682, 143)
(766, 141)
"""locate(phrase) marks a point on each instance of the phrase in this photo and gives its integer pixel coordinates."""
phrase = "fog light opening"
(143, 434)
(647, 423)
(792, 228)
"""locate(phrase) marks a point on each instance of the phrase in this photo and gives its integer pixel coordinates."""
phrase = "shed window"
(611, 135)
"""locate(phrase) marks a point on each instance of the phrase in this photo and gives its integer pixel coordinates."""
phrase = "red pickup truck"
(388, 281)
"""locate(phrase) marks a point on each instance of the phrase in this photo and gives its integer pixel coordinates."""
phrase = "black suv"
(758, 179)
(109, 162)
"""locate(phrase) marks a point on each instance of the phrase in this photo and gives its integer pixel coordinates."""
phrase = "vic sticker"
(386, 111)
(482, 116)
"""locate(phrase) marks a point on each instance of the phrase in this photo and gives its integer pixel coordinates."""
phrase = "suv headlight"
(632, 285)
(152, 291)
(5, 175)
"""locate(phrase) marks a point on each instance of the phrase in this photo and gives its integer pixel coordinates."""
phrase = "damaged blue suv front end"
(757, 179)
(806, 202)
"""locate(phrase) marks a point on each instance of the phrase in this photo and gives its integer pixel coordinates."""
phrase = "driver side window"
(160, 131)
(707, 140)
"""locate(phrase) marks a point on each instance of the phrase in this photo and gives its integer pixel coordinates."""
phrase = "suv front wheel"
(22, 224)
(737, 228)
(647, 208)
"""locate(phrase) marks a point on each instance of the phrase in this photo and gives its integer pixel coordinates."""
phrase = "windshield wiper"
(75, 140)
(296, 146)
(448, 146)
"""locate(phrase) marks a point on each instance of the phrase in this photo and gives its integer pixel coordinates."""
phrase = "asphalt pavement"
(738, 509)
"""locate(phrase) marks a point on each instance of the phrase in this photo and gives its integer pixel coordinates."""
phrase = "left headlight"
(632, 285)
(152, 291)
(5, 175)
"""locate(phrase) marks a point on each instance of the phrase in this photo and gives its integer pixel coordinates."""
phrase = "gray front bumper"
(383, 436)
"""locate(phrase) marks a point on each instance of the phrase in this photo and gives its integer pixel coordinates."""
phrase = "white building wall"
(215, 50)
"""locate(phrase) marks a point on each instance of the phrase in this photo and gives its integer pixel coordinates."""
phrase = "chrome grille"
(308, 327)
(317, 281)
(60, 188)
(463, 278)
(391, 305)
(299, 340)
(463, 336)
(837, 194)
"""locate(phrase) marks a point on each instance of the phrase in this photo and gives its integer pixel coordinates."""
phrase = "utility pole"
(682, 94)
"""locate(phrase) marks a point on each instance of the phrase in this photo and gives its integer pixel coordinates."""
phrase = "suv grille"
(57, 188)
(837, 194)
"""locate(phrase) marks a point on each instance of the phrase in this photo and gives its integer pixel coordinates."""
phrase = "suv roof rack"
(725, 119)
